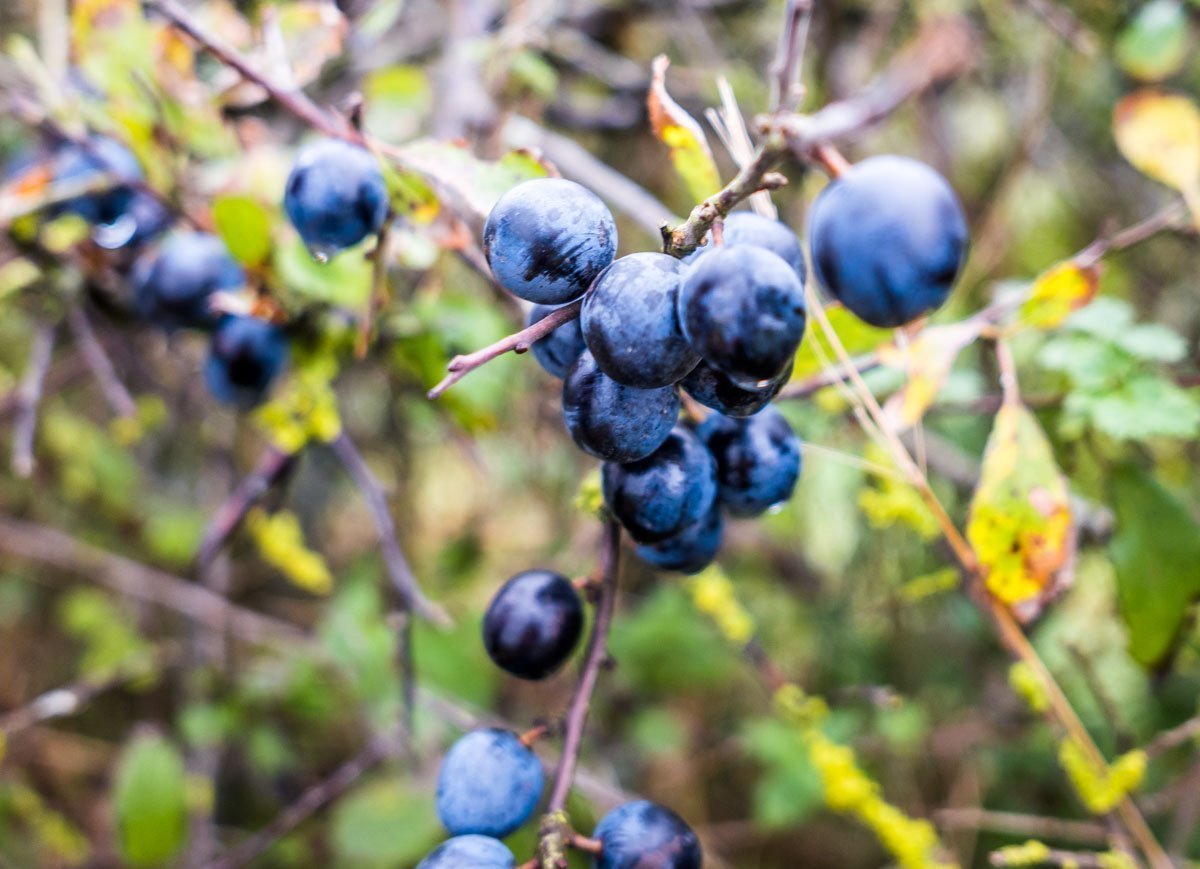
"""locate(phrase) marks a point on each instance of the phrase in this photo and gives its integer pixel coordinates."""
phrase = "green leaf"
(1145, 407)
(344, 281)
(150, 801)
(384, 823)
(789, 789)
(357, 635)
(477, 184)
(1154, 45)
(454, 660)
(1156, 553)
(244, 224)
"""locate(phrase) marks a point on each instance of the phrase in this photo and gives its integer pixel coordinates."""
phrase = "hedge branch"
(555, 835)
(29, 396)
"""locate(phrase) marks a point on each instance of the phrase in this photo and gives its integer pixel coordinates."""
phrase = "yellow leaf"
(1058, 292)
(1020, 519)
(1159, 133)
(681, 134)
(927, 360)
(280, 541)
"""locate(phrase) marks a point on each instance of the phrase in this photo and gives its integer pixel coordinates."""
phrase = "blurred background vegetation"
(186, 734)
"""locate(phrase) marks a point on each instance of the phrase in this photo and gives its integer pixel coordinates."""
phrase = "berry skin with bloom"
(888, 240)
(244, 358)
(335, 196)
(758, 460)
(631, 325)
(718, 391)
(657, 497)
(173, 286)
(469, 852)
(547, 240)
(743, 310)
(103, 155)
(642, 834)
(533, 624)
(489, 784)
(746, 227)
(690, 550)
(611, 421)
(557, 352)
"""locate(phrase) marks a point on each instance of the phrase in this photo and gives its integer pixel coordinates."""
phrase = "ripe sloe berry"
(657, 497)
(758, 460)
(612, 421)
(533, 624)
(642, 834)
(742, 308)
(335, 196)
(489, 784)
(547, 240)
(888, 239)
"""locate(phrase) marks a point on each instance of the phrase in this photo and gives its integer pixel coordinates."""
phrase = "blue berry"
(689, 551)
(336, 196)
(145, 218)
(75, 163)
(657, 497)
(643, 834)
(611, 421)
(631, 324)
(746, 227)
(245, 356)
(489, 784)
(758, 460)
(743, 310)
(888, 239)
(547, 240)
(469, 852)
(533, 624)
(717, 390)
(558, 351)
(173, 287)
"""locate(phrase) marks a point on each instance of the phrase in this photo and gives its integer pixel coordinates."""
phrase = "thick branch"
(519, 342)
(401, 575)
(555, 831)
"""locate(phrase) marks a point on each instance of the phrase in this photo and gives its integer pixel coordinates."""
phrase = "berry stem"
(518, 342)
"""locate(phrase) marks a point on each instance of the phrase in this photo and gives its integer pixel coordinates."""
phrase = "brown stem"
(785, 87)
(1172, 215)
(519, 342)
(555, 831)
(1035, 826)
(827, 377)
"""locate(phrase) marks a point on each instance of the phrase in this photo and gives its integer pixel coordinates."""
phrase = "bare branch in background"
(273, 466)
(93, 352)
(29, 396)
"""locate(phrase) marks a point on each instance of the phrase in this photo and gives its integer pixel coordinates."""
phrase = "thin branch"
(1011, 823)
(1053, 857)
(29, 396)
(401, 575)
(1173, 215)
(555, 833)
(786, 90)
(308, 804)
(54, 548)
(827, 377)
(93, 352)
(72, 699)
(379, 285)
(288, 96)
(519, 342)
(272, 467)
(1175, 737)
(943, 51)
